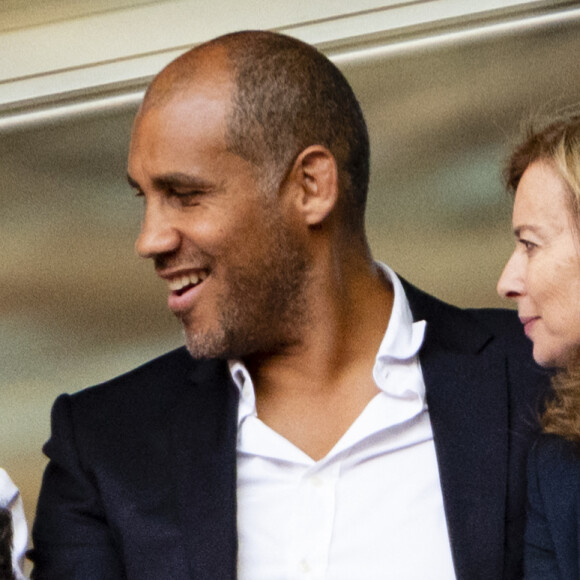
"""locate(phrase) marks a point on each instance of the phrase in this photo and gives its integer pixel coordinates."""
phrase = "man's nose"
(510, 283)
(158, 234)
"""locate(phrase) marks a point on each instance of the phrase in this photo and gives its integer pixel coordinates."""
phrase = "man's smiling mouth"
(181, 284)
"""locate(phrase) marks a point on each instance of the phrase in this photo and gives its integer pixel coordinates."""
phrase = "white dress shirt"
(371, 509)
(10, 498)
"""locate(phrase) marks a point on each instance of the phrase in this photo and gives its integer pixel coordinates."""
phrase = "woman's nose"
(510, 283)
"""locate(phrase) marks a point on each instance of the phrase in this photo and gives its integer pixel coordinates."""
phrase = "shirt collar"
(400, 346)
(403, 337)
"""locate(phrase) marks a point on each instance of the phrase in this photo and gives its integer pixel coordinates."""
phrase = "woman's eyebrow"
(526, 228)
(132, 182)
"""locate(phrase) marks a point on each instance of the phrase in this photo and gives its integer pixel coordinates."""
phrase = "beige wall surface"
(58, 47)
(443, 98)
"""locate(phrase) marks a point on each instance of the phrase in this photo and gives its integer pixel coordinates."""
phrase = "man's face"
(235, 266)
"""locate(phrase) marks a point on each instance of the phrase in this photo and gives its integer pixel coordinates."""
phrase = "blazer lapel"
(205, 471)
(467, 399)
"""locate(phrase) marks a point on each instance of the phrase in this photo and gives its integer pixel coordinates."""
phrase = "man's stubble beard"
(264, 308)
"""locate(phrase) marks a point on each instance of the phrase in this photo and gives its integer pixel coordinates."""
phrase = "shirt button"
(304, 566)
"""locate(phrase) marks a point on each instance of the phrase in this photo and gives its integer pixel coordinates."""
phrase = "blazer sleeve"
(70, 534)
(539, 552)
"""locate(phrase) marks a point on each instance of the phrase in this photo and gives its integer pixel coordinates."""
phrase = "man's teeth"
(186, 280)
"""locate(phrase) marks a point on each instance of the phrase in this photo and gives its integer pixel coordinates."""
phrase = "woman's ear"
(315, 177)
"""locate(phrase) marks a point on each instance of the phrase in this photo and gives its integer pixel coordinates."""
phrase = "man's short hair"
(289, 96)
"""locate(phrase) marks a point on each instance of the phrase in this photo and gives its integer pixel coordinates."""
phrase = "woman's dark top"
(553, 525)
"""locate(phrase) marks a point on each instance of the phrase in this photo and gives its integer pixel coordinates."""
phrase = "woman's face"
(543, 273)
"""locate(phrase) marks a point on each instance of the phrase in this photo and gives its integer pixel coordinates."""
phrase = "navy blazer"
(553, 527)
(141, 481)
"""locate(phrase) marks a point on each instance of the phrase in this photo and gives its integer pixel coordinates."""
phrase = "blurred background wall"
(444, 87)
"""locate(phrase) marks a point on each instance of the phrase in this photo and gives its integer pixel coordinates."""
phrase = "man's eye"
(185, 197)
(182, 193)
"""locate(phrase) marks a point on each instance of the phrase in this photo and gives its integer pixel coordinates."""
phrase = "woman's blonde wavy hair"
(556, 142)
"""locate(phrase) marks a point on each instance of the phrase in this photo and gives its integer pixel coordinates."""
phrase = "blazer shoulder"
(141, 404)
(159, 381)
(501, 321)
(466, 329)
(529, 382)
(505, 325)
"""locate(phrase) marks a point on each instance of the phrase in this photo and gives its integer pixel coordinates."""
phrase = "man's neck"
(312, 392)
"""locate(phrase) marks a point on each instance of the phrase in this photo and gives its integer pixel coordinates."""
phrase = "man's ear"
(315, 175)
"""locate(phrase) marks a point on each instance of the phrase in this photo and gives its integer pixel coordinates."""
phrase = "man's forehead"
(184, 125)
(188, 115)
(197, 71)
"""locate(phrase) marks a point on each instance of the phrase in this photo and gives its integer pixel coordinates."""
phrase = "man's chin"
(205, 346)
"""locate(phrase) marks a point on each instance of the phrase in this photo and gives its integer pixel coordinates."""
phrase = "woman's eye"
(529, 246)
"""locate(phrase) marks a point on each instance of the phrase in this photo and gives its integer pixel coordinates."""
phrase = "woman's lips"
(528, 323)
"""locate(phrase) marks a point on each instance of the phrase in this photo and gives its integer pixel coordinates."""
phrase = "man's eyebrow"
(172, 180)
(175, 180)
